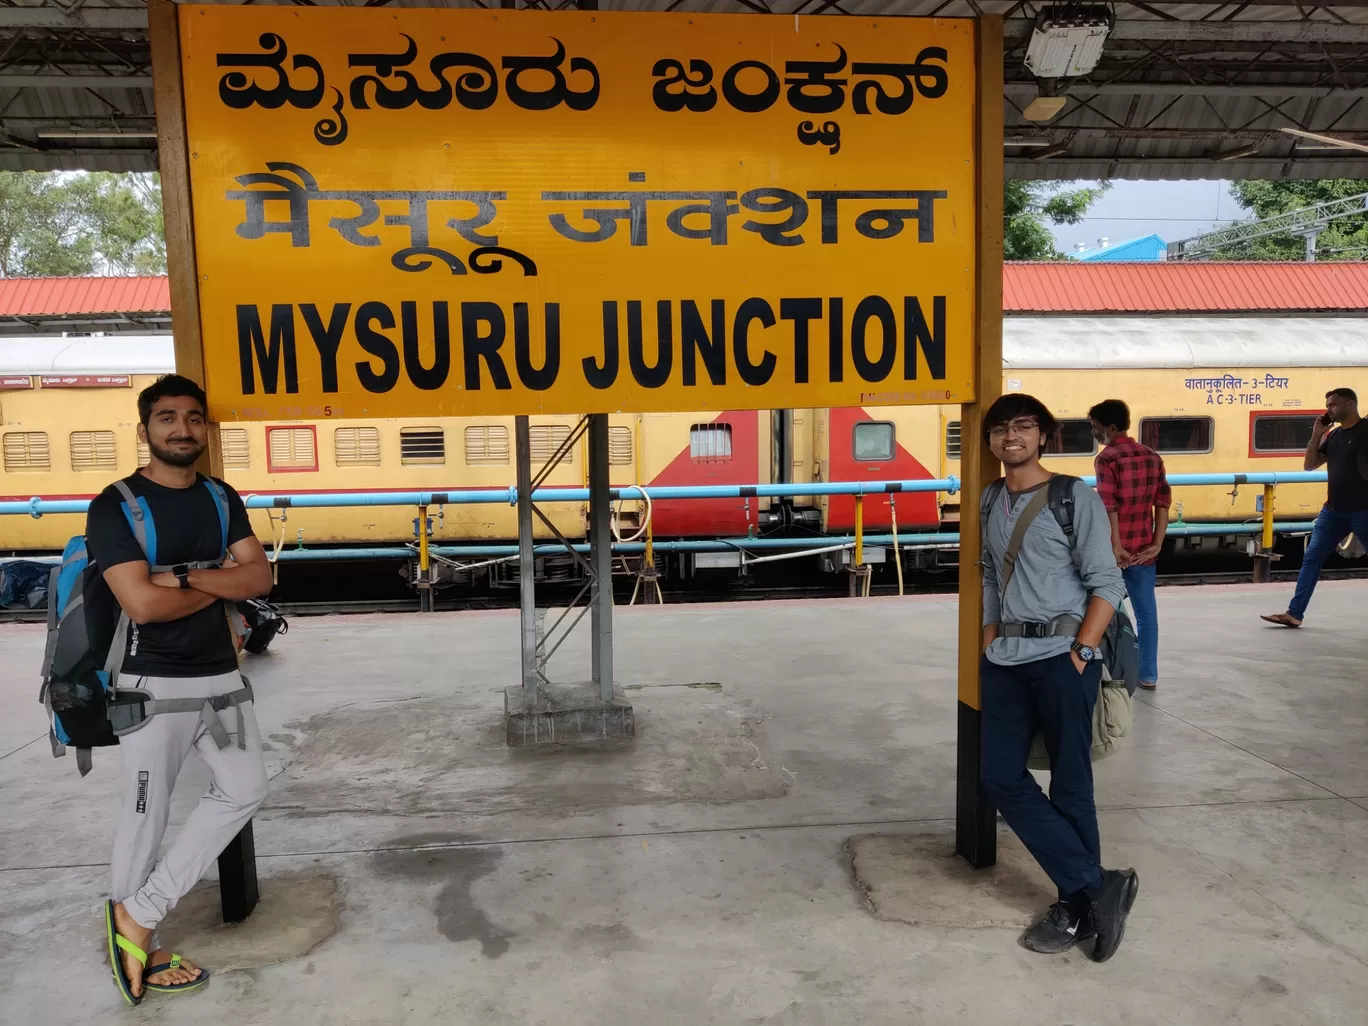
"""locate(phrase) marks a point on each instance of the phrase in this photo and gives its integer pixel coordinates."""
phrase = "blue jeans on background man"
(1048, 696)
(1140, 586)
(1330, 529)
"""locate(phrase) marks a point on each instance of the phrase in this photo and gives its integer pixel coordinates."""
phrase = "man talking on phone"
(1345, 449)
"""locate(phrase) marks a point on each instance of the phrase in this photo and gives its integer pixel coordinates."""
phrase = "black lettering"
(657, 375)
(539, 379)
(603, 375)
(477, 346)
(873, 308)
(836, 339)
(801, 312)
(327, 340)
(671, 73)
(252, 342)
(752, 373)
(750, 103)
(694, 340)
(377, 345)
(930, 339)
(427, 378)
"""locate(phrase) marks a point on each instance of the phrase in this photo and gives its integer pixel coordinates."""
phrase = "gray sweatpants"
(152, 757)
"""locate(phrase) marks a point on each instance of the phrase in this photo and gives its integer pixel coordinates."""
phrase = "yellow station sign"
(466, 213)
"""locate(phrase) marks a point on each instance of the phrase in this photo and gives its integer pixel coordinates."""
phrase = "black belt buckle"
(1035, 630)
(127, 710)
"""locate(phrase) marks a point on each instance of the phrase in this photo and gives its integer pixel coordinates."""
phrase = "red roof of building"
(1183, 287)
(55, 297)
(1062, 287)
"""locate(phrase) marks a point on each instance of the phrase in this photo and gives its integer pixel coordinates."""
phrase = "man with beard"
(180, 651)
(1047, 602)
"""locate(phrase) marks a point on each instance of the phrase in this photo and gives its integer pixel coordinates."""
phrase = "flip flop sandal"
(118, 943)
(172, 988)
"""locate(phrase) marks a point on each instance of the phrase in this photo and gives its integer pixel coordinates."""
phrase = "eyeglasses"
(1017, 427)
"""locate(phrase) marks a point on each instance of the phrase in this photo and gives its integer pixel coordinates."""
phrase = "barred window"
(710, 443)
(291, 449)
(952, 440)
(356, 447)
(93, 450)
(486, 445)
(620, 446)
(144, 453)
(545, 439)
(422, 446)
(27, 450)
(237, 453)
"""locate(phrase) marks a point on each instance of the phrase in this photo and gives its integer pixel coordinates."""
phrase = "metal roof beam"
(1018, 30)
(106, 18)
(75, 81)
(1190, 89)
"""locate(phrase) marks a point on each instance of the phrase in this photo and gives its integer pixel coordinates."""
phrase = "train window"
(486, 445)
(144, 453)
(1282, 433)
(1176, 434)
(1073, 438)
(952, 440)
(619, 446)
(291, 449)
(710, 443)
(27, 450)
(873, 441)
(545, 439)
(93, 450)
(237, 454)
(422, 446)
(356, 446)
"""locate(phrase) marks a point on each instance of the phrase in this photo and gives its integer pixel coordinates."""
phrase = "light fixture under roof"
(1044, 108)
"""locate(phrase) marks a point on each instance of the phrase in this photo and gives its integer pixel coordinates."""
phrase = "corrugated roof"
(1063, 287)
(56, 297)
(1182, 287)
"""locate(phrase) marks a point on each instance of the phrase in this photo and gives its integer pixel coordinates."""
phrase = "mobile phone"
(1325, 420)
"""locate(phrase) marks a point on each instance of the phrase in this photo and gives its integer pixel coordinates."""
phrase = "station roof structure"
(1190, 90)
(54, 306)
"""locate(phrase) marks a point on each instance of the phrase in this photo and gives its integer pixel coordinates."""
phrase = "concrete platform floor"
(704, 873)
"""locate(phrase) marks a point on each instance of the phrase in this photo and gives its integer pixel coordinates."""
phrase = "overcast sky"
(1173, 210)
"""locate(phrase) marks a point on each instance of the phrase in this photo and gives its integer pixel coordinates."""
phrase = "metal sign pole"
(526, 562)
(601, 555)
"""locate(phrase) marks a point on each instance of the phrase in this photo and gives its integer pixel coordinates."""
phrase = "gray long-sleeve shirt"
(1050, 580)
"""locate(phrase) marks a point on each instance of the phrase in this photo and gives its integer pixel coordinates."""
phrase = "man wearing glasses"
(1047, 601)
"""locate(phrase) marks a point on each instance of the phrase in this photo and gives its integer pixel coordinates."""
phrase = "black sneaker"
(1062, 928)
(1109, 911)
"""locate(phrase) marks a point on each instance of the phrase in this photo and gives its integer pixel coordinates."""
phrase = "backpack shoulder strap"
(1061, 492)
(990, 496)
(1009, 558)
(140, 519)
(220, 504)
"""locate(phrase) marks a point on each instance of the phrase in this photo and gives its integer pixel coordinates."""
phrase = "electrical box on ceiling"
(1068, 45)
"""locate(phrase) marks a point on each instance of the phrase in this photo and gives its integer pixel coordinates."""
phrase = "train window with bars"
(873, 441)
(486, 445)
(1282, 434)
(93, 450)
(27, 450)
(422, 446)
(619, 446)
(545, 439)
(144, 454)
(1072, 438)
(356, 447)
(952, 440)
(710, 443)
(1176, 434)
(291, 449)
(233, 444)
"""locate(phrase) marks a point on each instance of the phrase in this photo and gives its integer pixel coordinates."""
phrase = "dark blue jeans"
(1330, 529)
(1140, 586)
(1052, 697)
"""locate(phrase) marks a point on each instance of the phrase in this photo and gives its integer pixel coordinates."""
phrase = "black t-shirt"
(1346, 451)
(187, 530)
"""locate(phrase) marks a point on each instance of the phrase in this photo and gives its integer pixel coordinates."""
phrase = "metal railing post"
(601, 555)
(527, 568)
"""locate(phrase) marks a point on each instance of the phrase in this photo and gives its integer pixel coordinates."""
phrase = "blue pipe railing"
(38, 506)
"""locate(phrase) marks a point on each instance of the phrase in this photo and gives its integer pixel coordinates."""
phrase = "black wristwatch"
(1085, 652)
(182, 572)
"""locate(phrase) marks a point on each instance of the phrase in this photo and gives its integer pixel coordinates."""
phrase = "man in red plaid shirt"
(1132, 485)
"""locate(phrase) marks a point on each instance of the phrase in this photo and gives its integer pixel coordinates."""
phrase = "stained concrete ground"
(774, 847)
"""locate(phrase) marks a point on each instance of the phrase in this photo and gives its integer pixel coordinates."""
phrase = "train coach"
(1212, 394)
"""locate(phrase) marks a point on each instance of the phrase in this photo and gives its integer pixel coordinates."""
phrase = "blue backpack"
(88, 634)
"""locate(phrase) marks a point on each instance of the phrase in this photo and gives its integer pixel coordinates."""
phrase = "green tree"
(1029, 208)
(80, 224)
(1345, 238)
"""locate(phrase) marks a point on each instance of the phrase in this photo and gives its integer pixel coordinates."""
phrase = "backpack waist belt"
(208, 708)
(1059, 627)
